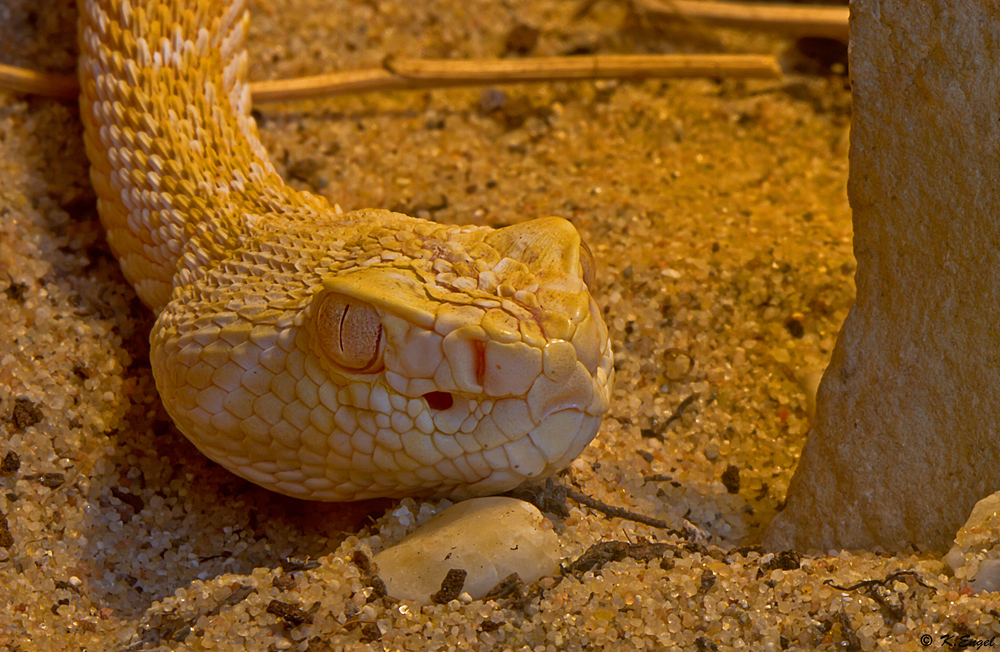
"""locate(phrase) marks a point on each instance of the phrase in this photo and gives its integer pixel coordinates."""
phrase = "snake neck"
(178, 166)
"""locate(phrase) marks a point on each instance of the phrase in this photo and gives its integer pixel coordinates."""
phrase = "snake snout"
(547, 246)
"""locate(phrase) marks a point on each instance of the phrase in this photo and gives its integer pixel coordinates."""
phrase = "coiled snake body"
(324, 355)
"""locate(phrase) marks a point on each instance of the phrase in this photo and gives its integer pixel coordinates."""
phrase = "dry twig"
(793, 20)
(19, 80)
(411, 74)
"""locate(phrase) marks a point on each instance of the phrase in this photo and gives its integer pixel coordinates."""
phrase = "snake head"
(434, 360)
(489, 361)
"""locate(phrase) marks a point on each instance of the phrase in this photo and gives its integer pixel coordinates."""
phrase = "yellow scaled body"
(324, 355)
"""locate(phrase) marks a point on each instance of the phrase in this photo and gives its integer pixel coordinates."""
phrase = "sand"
(718, 215)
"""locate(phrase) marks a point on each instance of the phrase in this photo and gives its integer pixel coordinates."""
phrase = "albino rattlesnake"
(324, 355)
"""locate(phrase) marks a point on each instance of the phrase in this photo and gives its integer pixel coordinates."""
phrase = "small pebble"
(987, 577)
(975, 554)
(488, 538)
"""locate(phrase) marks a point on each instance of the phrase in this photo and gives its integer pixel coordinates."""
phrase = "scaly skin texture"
(325, 355)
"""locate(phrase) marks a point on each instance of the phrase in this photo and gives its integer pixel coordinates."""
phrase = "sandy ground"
(718, 215)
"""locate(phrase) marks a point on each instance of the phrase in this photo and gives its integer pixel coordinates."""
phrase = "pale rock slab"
(489, 538)
(907, 430)
(975, 554)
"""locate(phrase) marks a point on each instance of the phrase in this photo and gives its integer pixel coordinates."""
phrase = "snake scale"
(324, 355)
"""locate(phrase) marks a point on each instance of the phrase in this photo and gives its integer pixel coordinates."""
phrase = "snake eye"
(350, 333)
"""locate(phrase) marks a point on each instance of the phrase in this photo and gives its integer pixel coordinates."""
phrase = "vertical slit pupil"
(439, 400)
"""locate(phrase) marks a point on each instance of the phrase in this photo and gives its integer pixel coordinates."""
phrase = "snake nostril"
(439, 400)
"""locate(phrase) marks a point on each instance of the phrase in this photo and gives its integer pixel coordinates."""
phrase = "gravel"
(717, 213)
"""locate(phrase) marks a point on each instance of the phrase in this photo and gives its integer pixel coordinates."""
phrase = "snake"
(323, 354)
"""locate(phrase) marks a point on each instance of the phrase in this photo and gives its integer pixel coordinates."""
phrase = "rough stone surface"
(489, 538)
(905, 440)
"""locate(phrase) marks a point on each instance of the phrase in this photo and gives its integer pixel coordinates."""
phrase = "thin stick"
(19, 80)
(588, 67)
(411, 74)
(794, 20)
(691, 532)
